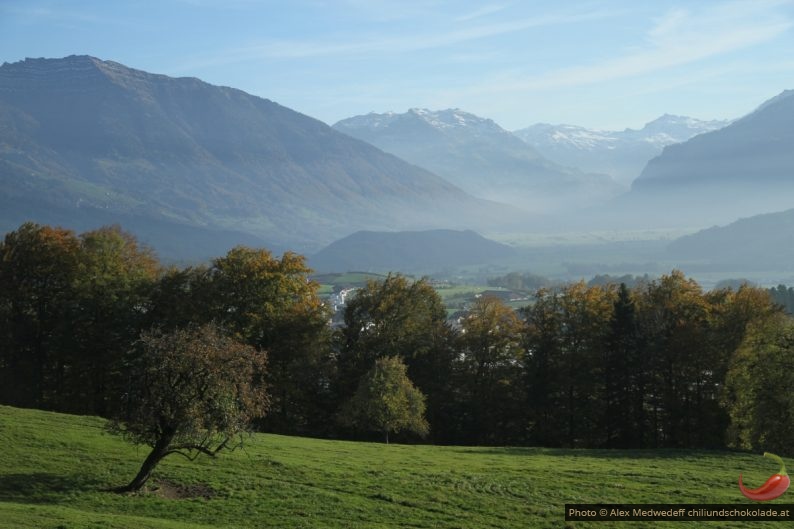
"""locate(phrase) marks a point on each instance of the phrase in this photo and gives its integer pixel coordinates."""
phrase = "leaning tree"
(189, 392)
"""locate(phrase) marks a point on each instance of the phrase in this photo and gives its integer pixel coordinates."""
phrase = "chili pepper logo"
(774, 487)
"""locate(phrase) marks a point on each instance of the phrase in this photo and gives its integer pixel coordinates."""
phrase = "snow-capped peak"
(452, 118)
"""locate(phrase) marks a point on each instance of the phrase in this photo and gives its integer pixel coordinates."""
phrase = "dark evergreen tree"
(625, 376)
(543, 369)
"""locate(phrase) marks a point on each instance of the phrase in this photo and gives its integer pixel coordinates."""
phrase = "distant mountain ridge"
(479, 156)
(741, 170)
(408, 251)
(761, 242)
(622, 154)
(80, 133)
(757, 145)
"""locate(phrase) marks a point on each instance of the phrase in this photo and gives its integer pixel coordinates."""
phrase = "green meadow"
(55, 472)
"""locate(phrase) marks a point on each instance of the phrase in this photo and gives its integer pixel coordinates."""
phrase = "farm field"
(55, 471)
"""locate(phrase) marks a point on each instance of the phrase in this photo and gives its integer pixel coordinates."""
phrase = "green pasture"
(56, 472)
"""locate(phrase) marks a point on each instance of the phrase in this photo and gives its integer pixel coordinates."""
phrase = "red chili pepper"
(775, 486)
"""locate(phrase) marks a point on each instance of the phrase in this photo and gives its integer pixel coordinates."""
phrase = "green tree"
(181, 297)
(734, 312)
(518, 281)
(760, 405)
(189, 392)
(403, 318)
(115, 277)
(386, 401)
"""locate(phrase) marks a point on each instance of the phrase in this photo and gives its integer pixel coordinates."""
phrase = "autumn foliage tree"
(658, 363)
(38, 271)
(69, 308)
(566, 338)
(490, 365)
(271, 303)
(189, 392)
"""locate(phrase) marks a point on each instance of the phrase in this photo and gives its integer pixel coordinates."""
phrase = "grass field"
(54, 470)
(331, 282)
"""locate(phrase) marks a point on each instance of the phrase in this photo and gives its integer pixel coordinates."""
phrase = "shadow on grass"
(606, 453)
(42, 487)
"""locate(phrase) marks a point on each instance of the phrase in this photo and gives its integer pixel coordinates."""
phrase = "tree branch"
(199, 449)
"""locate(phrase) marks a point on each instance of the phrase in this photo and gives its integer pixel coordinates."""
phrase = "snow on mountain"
(479, 156)
(447, 121)
(621, 154)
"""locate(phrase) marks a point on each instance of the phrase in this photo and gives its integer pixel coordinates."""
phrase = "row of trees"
(783, 296)
(663, 364)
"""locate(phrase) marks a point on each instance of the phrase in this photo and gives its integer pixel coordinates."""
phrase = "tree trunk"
(387, 436)
(158, 452)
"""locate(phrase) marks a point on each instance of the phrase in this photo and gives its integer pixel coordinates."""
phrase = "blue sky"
(606, 65)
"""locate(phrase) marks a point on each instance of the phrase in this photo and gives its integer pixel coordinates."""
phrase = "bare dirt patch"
(180, 491)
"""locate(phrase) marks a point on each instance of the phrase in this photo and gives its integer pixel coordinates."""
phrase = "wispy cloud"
(225, 4)
(70, 18)
(389, 44)
(481, 12)
(41, 12)
(677, 38)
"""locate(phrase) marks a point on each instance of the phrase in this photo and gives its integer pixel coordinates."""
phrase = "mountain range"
(194, 169)
(743, 169)
(481, 157)
(621, 154)
(89, 139)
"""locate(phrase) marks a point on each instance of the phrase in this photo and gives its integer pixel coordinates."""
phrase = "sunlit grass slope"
(54, 469)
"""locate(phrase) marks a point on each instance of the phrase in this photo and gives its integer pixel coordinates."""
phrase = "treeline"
(663, 364)
(530, 282)
(783, 296)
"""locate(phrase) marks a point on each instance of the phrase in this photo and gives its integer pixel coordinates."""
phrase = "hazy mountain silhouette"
(481, 157)
(80, 134)
(408, 251)
(741, 170)
(761, 242)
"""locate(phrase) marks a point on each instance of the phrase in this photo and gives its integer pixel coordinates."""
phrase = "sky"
(608, 65)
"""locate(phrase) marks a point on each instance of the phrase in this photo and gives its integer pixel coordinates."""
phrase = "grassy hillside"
(53, 469)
